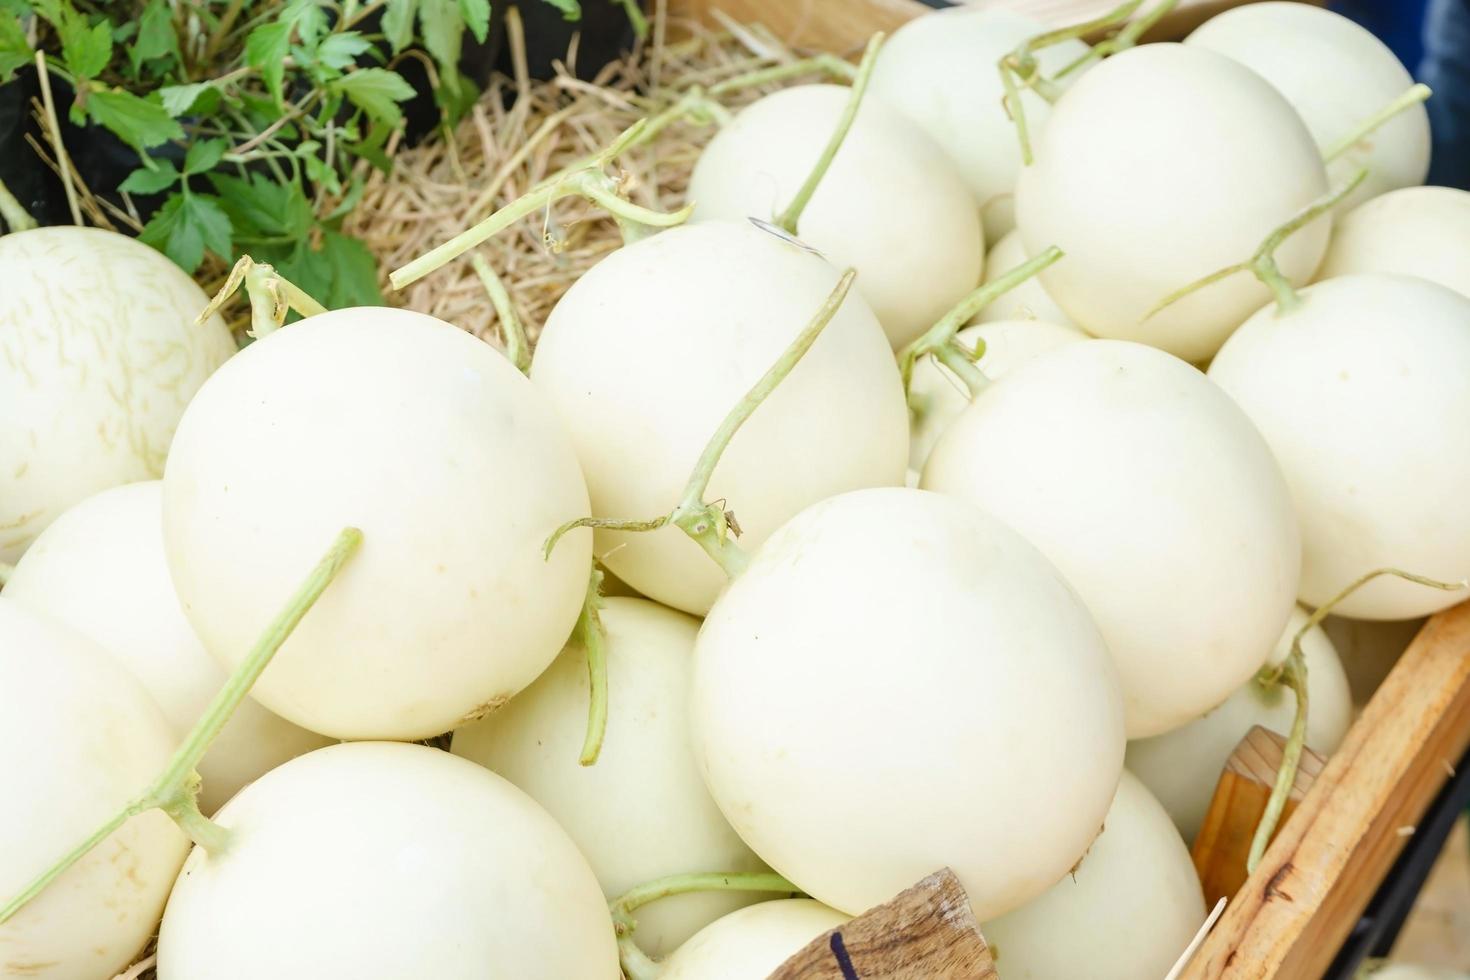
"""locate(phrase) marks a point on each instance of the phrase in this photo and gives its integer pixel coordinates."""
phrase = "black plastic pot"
(103, 161)
(605, 32)
(477, 61)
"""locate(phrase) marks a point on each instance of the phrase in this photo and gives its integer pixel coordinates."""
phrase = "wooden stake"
(927, 933)
(1294, 913)
(1224, 839)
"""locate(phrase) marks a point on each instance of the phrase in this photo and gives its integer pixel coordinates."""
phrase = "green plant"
(259, 119)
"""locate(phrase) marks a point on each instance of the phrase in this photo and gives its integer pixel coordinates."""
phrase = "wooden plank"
(1224, 840)
(1185, 17)
(844, 26)
(1294, 913)
(838, 26)
(927, 933)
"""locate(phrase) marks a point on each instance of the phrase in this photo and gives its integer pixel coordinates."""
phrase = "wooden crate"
(1293, 914)
(844, 26)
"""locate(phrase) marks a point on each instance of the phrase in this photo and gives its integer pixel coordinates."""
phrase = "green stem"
(829, 63)
(222, 30)
(962, 363)
(1125, 38)
(637, 965)
(789, 218)
(1020, 68)
(594, 642)
(201, 830)
(1263, 263)
(271, 296)
(635, 18)
(511, 328)
(245, 675)
(709, 525)
(588, 182)
(1293, 672)
(1415, 95)
(1011, 102)
(175, 789)
(703, 522)
(940, 337)
(17, 218)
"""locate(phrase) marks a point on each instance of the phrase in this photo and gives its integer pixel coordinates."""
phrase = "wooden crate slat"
(844, 26)
(928, 931)
(1319, 873)
(1223, 844)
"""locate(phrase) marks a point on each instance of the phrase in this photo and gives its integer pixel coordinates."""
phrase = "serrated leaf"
(156, 37)
(146, 181)
(342, 272)
(476, 16)
(354, 272)
(266, 48)
(179, 99)
(262, 208)
(203, 155)
(376, 91)
(319, 173)
(309, 18)
(370, 147)
(85, 50)
(137, 122)
(442, 28)
(341, 50)
(570, 9)
(398, 23)
(185, 226)
(349, 201)
(14, 49)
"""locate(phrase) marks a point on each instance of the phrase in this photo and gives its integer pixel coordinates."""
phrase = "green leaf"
(318, 172)
(398, 23)
(341, 273)
(354, 272)
(14, 50)
(570, 9)
(85, 50)
(376, 91)
(179, 99)
(259, 207)
(476, 15)
(455, 101)
(341, 50)
(370, 147)
(266, 48)
(146, 181)
(137, 122)
(156, 37)
(442, 29)
(203, 155)
(185, 226)
(349, 200)
(309, 18)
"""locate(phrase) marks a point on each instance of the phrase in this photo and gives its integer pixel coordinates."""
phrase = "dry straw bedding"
(522, 132)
